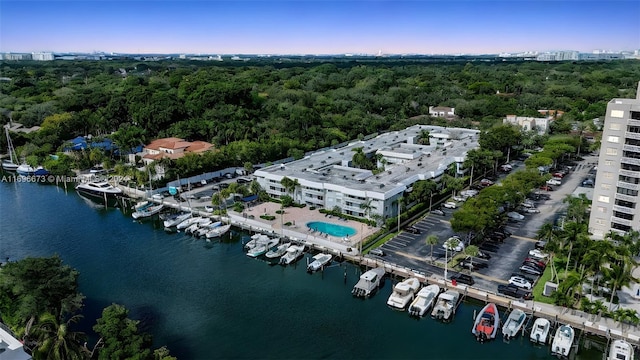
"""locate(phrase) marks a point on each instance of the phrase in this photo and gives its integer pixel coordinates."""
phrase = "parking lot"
(410, 250)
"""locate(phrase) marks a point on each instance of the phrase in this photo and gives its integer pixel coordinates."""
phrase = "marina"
(203, 258)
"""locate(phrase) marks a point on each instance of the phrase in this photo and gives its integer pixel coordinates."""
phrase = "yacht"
(403, 293)
(485, 326)
(188, 222)
(254, 240)
(513, 324)
(540, 331)
(203, 230)
(203, 222)
(319, 261)
(620, 350)
(176, 219)
(294, 252)
(100, 190)
(446, 305)
(10, 165)
(562, 341)
(424, 300)
(277, 251)
(368, 283)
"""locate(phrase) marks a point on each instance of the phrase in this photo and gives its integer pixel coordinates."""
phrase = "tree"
(619, 275)
(55, 340)
(472, 251)
(367, 207)
(120, 336)
(431, 240)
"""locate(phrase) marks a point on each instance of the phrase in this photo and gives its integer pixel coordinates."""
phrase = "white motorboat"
(294, 252)
(188, 222)
(513, 324)
(26, 170)
(254, 240)
(319, 261)
(424, 300)
(99, 190)
(263, 246)
(176, 219)
(403, 293)
(148, 211)
(446, 305)
(562, 341)
(141, 205)
(191, 229)
(218, 231)
(368, 283)
(540, 331)
(203, 230)
(620, 350)
(277, 251)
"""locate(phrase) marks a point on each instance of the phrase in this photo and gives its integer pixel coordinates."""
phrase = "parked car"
(534, 265)
(459, 198)
(588, 183)
(554, 182)
(515, 292)
(486, 182)
(157, 196)
(483, 255)
(488, 247)
(469, 265)
(528, 204)
(520, 282)
(531, 270)
(450, 205)
(532, 210)
(469, 193)
(546, 187)
(412, 229)
(515, 216)
(536, 262)
(538, 254)
(463, 279)
(437, 212)
(457, 248)
(540, 245)
(558, 174)
(376, 252)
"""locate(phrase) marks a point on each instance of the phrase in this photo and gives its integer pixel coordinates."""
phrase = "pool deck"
(298, 230)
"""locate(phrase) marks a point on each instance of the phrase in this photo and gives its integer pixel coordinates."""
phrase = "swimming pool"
(331, 229)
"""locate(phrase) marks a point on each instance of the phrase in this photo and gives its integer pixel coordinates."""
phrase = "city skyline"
(318, 27)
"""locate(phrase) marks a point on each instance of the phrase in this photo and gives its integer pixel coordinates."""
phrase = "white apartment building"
(326, 178)
(528, 123)
(615, 198)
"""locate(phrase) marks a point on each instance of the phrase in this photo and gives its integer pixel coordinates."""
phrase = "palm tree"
(620, 274)
(431, 240)
(367, 207)
(56, 341)
(471, 251)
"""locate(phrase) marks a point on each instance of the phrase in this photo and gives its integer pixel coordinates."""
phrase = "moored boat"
(368, 283)
(9, 164)
(620, 350)
(277, 251)
(485, 326)
(562, 341)
(147, 211)
(514, 323)
(403, 293)
(540, 331)
(424, 300)
(203, 230)
(176, 219)
(445, 307)
(262, 246)
(188, 222)
(99, 189)
(218, 231)
(294, 252)
(319, 261)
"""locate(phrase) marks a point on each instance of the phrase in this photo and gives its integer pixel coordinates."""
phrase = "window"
(612, 151)
(622, 215)
(600, 222)
(617, 114)
(608, 162)
(605, 186)
(604, 199)
(614, 126)
(635, 115)
(628, 192)
(608, 175)
(602, 209)
(613, 139)
(627, 204)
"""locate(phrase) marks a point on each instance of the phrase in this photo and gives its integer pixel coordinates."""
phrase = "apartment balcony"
(632, 135)
(633, 148)
(629, 173)
(313, 191)
(627, 198)
(628, 160)
(626, 185)
(624, 209)
(620, 221)
(633, 122)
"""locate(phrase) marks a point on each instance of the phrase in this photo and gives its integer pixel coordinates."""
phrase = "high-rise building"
(616, 203)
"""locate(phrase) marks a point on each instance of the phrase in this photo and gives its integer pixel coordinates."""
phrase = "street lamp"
(446, 261)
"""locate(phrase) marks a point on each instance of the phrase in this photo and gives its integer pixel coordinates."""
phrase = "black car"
(488, 247)
(437, 212)
(412, 229)
(483, 255)
(463, 279)
(532, 270)
(515, 292)
(540, 245)
(472, 265)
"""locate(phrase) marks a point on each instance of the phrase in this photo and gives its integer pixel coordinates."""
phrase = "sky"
(318, 26)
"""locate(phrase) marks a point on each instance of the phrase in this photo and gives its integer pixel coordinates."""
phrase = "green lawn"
(539, 288)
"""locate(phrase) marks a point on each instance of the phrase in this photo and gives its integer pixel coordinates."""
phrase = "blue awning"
(250, 198)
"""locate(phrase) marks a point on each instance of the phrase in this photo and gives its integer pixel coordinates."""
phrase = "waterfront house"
(172, 148)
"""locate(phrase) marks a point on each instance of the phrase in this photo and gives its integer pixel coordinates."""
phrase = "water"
(331, 229)
(209, 300)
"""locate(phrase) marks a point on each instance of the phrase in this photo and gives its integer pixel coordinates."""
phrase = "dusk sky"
(318, 27)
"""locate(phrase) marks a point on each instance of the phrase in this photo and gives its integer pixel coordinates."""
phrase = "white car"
(456, 248)
(538, 254)
(469, 193)
(515, 216)
(532, 210)
(459, 198)
(450, 205)
(157, 196)
(554, 182)
(520, 282)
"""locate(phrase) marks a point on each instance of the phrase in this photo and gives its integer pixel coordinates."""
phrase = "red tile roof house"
(172, 148)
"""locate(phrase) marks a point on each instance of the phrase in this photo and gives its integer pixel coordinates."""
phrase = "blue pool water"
(331, 229)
